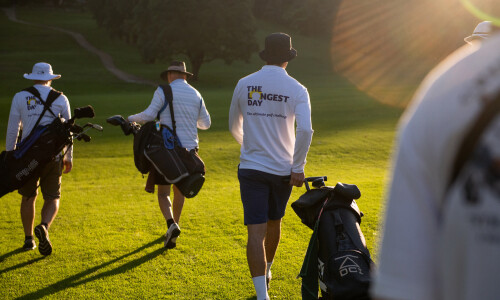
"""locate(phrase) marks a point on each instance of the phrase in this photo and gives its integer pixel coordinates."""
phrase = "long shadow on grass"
(21, 265)
(11, 253)
(77, 280)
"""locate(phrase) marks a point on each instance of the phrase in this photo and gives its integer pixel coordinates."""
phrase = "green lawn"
(107, 235)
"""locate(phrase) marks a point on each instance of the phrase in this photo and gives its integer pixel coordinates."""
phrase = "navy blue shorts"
(264, 195)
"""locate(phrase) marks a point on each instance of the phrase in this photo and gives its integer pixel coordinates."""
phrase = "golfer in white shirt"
(265, 107)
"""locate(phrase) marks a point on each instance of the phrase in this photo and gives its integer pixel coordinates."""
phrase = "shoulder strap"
(53, 95)
(489, 112)
(169, 98)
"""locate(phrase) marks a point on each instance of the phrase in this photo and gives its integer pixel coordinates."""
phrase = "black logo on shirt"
(256, 96)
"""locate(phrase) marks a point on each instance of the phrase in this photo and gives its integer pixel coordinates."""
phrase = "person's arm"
(151, 112)
(236, 117)
(13, 126)
(304, 132)
(68, 157)
(204, 120)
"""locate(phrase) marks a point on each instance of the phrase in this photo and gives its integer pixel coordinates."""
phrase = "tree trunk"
(196, 62)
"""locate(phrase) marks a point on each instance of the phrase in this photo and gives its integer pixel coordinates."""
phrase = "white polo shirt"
(26, 110)
(264, 109)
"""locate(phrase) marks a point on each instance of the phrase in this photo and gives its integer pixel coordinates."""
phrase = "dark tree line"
(309, 17)
(200, 30)
(204, 30)
(53, 3)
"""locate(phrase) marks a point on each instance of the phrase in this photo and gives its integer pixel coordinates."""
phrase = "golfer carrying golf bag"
(190, 113)
(28, 111)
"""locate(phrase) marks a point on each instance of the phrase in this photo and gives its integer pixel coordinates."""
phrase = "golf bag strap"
(53, 95)
(169, 99)
(163, 87)
(340, 227)
(489, 112)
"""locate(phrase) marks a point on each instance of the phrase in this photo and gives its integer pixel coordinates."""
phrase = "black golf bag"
(337, 255)
(20, 165)
(41, 146)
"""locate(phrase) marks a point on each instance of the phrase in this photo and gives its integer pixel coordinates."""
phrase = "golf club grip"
(311, 179)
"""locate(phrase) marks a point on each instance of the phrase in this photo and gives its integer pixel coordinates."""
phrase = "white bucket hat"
(482, 31)
(42, 71)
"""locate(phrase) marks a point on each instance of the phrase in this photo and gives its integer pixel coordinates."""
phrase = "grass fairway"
(107, 236)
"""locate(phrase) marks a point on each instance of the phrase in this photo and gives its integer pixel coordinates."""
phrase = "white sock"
(259, 283)
(268, 272)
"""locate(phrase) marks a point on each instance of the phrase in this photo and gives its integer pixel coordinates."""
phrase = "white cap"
(42, 71)
(482, 31)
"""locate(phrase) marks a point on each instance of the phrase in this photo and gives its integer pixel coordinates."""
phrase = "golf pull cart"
(42, 145)
(337, 257)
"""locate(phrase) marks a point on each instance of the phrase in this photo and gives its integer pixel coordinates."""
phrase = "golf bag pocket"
(343, 259)
(166, 161)
(191, 160)
(4, 173)
(345, 275)
(191, 185)
(141, 140)
(25, 144)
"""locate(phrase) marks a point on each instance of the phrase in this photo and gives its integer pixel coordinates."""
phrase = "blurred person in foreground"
(25, 111)
(264, 109)
(441, 236)
(190, 114)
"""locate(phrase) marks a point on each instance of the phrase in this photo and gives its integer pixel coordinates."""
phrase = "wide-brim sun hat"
(175, 66)
(278, 48)
(42, 71)
(481, 32)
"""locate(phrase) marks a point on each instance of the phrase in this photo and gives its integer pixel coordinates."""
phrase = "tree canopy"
(309, 17)
(199, 30)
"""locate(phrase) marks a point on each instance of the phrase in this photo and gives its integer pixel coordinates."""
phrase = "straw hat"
(175, 66)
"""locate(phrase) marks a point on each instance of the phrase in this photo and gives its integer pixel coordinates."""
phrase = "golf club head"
(75, 128)
(94, 126)
(116, 120)
(348, 191)
(126, 128)
(84, 137)
(84, 112)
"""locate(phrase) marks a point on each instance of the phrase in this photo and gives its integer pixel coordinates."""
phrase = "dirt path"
(106, 59)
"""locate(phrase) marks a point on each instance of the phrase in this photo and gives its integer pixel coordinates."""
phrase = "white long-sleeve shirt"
(262, 116)
(423, 255)
(26, 110)
(189, 111)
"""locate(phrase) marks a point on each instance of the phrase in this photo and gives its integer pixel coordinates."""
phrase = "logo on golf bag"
(28, 170)
(348, 265)
(321, 269)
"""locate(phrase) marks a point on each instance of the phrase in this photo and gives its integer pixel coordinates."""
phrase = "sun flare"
(387, 47)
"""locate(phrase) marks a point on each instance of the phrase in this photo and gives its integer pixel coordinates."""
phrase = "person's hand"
(297, 179)
(68, 165)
